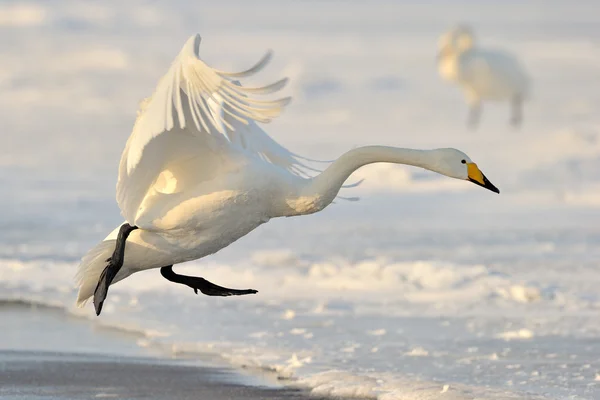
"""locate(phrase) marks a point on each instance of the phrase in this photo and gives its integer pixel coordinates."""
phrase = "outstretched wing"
(196, 112)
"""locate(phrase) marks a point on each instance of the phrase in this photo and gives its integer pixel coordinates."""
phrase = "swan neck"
(325, 186)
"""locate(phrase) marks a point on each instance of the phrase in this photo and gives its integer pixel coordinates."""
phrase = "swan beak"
(478, 178)
(442, 53)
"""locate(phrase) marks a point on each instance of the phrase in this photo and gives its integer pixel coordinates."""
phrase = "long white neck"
(318, 192)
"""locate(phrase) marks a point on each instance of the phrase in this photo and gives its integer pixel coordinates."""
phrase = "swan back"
(493, 74)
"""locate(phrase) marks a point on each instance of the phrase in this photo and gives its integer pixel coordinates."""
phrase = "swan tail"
(90, 268)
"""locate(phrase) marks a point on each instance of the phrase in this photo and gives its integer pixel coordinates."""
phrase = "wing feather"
(195, 108)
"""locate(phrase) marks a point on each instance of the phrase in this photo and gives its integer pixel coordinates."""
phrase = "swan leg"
(115, 262)
(474, 115)
(516, 111)
(201, 284)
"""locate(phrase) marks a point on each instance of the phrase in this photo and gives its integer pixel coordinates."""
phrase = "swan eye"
(464, 161)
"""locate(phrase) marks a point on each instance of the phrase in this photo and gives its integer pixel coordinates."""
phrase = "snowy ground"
(425, 282)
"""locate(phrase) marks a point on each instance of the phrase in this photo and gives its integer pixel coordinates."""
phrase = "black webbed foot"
(201, 284)
(106, 278)
(115, 262)
(516, 116)
(474, 116)
(515, 122)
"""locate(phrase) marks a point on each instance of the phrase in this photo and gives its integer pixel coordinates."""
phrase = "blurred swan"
(198, 173)
(483, 74)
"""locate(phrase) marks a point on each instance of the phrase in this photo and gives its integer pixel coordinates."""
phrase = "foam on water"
(374, 328)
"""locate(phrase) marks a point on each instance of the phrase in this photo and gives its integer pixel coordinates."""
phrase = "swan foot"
(201, 284)
(115, 262)
(474, 116)
(517, 112)
(515, 122)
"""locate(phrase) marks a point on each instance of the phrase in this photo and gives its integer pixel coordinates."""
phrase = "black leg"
(516, 111)
(474, 115)
(201, 284)
(115, 262)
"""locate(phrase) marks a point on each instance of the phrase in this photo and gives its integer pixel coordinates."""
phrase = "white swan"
(197, 174)
(483, 74)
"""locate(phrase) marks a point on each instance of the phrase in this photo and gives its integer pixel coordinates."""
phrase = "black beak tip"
(489, 185)
(486, 184)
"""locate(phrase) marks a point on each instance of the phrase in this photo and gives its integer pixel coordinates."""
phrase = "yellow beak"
(443, 53)
(478, 178)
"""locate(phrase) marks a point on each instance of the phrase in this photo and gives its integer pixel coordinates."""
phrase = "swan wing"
(255, 142)
(197, 117)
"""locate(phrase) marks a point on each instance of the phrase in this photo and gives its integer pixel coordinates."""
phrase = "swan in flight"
(483, 74)
(198, 173)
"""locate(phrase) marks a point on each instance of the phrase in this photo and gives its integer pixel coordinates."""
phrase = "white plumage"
(198, 173)
(200, 109)
(483, 74)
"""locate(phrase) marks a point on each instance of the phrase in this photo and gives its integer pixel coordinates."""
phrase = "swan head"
(464, 39)
(456, 41)
(456, 164)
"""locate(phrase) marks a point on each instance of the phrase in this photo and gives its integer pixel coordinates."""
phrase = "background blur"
(426, 279)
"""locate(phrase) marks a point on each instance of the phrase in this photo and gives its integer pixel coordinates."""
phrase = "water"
(426, 285)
